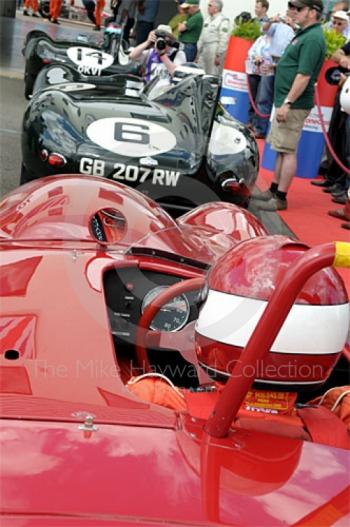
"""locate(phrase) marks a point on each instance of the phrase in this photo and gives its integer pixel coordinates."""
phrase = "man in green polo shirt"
(191, 29)
(296, 74)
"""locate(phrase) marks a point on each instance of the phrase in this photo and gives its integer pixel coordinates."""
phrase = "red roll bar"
(330, 254)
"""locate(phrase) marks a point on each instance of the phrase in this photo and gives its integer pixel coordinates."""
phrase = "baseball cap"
(312, 4)
(189, 3)
(340, 14)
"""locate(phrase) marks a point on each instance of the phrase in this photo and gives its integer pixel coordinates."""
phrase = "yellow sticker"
(277, 402)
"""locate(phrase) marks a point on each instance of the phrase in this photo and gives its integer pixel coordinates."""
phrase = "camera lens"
(161, 44)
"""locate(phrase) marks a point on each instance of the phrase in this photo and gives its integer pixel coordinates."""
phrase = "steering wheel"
(179, 340)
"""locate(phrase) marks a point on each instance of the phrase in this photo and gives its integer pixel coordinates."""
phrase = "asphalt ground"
(12, 106)
(12, 101)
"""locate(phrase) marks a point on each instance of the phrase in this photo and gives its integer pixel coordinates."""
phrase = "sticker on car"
(131, 137)
(129, 173)
(74, 86)
(89, 61)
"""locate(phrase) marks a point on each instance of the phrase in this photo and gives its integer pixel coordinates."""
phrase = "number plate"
(129, 173)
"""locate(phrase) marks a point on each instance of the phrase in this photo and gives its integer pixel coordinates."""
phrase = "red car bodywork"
(137, 463)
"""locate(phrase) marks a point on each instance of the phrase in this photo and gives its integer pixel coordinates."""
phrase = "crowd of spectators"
(267, 56)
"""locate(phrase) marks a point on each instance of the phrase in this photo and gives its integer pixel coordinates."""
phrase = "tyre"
(25, 178)
(44, 8)
(28, 85)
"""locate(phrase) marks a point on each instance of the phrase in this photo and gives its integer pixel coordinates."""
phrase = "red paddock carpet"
(307, 216)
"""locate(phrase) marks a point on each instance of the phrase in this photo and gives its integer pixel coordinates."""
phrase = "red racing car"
(160, 372)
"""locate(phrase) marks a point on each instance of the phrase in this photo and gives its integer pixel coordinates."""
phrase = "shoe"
(337, 193)
(264, 196)
(339, 213)
(325, 183)
(323, 168)
(55, 22)
(49, 18)
(25, 12)
(334, 188)
(35, 15)
(346, 226)
(274, 204)
(341, 199)
(257, 134)
(97, 28)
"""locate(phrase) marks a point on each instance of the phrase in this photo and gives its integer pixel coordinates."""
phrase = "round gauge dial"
(172, 316)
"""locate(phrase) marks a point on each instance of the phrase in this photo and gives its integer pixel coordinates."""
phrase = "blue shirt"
(260, 48)
(281, 35)
(150, 11)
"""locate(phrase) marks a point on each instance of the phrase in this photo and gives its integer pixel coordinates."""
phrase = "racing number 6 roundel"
(131, 137)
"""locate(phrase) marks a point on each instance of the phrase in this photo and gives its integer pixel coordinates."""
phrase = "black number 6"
(132, 133)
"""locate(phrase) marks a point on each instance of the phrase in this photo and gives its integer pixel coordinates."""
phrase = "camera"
(161, 44)
(164, 40)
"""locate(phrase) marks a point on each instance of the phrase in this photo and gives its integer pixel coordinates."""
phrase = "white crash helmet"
(345, 96)
(238, 288)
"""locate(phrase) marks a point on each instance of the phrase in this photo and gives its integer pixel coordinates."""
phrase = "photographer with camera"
(160, 54)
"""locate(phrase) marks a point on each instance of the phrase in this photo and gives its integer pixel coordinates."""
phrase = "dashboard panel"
(129, 289)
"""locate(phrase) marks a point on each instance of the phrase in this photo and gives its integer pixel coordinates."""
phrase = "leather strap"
(324, 427)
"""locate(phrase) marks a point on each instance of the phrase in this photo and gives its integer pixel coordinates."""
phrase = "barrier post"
(311, 143)
(234, 91)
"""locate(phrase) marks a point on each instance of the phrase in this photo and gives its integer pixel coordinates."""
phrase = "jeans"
(142, 31)
(128, 27)
(254, 81)
(339, 133)
(347, 141)
(264, 101)
(347, 152)
(90, 7)
(190, 52)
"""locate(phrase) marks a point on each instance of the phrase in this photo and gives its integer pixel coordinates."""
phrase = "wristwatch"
(287, 101)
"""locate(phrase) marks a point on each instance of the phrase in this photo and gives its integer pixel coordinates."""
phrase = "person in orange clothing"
(31, 4)
(98, 12)
(55, 10)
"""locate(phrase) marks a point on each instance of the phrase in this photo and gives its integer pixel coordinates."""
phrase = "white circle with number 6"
(90, 57)
(131, 137)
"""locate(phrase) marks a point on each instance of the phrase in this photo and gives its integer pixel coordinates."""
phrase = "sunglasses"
(299, 9)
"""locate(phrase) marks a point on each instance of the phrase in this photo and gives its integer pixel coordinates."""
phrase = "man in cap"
(296, 73)
(181, 16)
(191, 29)
(212, 43)
(159, 54)
(340, 23)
